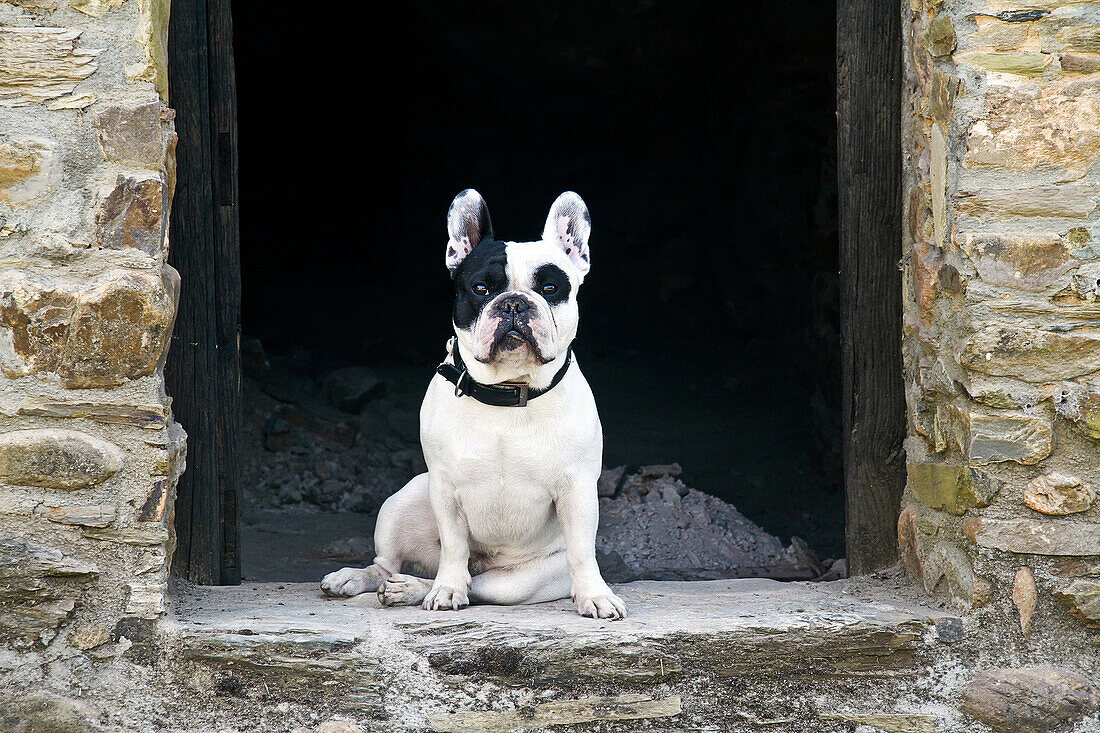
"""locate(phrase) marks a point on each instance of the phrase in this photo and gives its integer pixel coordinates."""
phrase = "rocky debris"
(611, 480)
(1029, 700)
(663, 530)
(350, 388)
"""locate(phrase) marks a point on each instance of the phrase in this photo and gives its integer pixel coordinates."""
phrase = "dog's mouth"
(511, 336)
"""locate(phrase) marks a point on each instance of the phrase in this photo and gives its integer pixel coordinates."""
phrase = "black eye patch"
(487, 264)
(549, 274)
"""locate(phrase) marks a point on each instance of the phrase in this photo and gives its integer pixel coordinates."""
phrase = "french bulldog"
(507, 511)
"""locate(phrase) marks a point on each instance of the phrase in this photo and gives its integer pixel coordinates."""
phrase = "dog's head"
(516, 302)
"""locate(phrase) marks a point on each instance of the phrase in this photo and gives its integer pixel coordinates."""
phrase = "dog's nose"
(513, 304)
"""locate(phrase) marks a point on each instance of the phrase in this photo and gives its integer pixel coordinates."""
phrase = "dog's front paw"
(603, 605)
(445, 597)
(353, 581)
(402, 590)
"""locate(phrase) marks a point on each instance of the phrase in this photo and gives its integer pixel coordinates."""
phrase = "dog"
(507, 511)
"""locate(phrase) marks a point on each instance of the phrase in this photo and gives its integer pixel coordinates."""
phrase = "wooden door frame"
(869, 86)
(203, 370)
(203, 373)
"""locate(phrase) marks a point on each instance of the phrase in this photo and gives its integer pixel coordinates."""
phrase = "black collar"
(506, 394)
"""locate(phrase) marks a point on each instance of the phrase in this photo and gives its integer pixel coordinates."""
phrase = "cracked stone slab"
(726, 628)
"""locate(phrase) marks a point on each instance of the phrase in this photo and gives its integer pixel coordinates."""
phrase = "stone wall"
(1002, 308)
(89, 453)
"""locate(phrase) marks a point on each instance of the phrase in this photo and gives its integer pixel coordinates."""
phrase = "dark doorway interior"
(701, 136)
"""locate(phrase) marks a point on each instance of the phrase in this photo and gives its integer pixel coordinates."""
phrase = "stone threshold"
(685, 647)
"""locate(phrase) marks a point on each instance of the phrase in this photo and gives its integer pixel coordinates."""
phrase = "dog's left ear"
(568, 226)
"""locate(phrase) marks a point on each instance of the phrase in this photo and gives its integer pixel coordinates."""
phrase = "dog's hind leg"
(542, 579)
(405, 532)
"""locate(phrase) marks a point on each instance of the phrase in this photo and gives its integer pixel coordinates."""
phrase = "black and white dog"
(510, 434)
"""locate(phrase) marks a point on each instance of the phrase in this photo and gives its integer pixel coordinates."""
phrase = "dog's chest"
(504, 508)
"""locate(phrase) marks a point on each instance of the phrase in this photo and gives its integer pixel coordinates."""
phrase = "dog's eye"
(549, 289)
(481, 289)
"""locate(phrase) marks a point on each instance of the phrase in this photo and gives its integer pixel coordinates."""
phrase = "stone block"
(1081, 38)
(133, 215)
(941, 99)
(46, 712)
(1083, 599)
(90, 515)
(1032, 127)
(1057, 494)
(142, 536)
(1076, 568)
(1031, 262)
(156, 502)
(1025, 596)
(131, 133)
(57, 459)
(999, 35)
(941, 36)
(95, 8)
(150, 417)
(950, 565)
(1086, 282)
(1021, 63)
(28, 170)
(146, 600)
(39, 64)
(953, 489)
(1070, 201)
(92, 333)
(937, 175)
(1030, 355)
(152, 40)
(1029, 700)
(909, 542)
(119, 331)
(38, 585)
(1013, 437)
(1034, 536)
(1080, 63)
(87, 636)
(1081, 407)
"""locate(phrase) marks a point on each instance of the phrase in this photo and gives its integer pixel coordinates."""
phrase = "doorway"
(703, 141)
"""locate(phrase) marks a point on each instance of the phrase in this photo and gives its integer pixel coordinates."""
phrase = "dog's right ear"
(467, 224)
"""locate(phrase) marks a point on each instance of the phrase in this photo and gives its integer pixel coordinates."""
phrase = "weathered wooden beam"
(869, 69)
(203, 365)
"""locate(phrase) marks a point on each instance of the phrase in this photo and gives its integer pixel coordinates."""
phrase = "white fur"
(507, 512)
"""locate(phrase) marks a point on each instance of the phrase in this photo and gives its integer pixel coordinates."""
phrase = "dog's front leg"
(578, 511)
(452, 580)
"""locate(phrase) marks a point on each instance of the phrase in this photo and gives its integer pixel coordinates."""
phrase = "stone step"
(694, 639)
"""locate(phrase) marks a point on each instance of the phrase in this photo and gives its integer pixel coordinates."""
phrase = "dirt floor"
(326, 443)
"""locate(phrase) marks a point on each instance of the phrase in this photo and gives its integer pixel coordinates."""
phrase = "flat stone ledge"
(720, 629)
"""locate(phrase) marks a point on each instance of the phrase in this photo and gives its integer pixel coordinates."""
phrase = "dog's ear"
(568, 226)
(467, 224)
